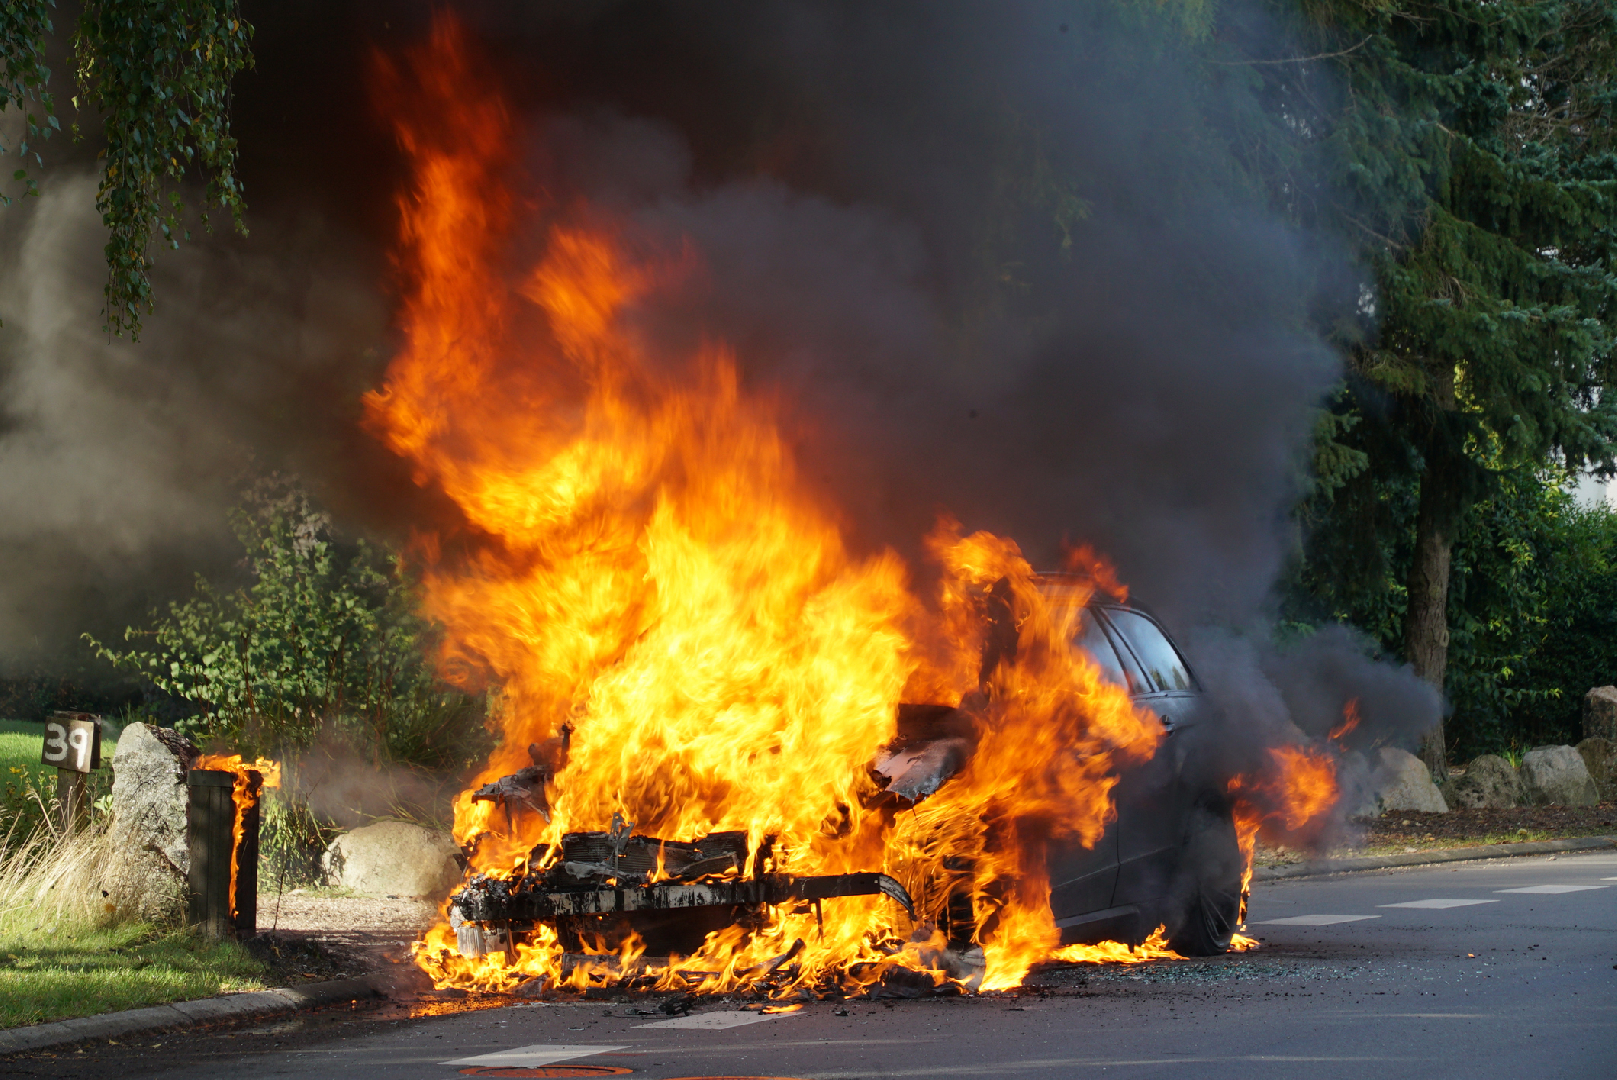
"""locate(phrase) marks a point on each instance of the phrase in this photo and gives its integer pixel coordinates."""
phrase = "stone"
(149, 854)
(1490, 783)
(1600, 713)
(1402, 782)
(394, 858)
(1557, 776)
(1600, 758)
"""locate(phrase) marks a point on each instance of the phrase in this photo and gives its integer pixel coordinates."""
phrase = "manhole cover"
(545, 1070)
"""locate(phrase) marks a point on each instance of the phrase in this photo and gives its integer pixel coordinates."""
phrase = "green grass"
(85, 971)
(65, 951)
(24, 781)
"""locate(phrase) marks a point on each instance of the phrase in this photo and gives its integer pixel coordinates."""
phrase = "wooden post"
(245, 900)
(73, 745)
(70, 798)
(210, 828)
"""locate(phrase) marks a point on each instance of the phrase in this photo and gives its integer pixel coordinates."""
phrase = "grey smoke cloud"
(119, 460)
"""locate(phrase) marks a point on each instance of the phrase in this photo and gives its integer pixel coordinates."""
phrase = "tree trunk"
(1426, 623)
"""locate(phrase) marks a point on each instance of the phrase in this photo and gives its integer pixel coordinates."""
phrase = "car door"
(1150, 800)
(1082, 880)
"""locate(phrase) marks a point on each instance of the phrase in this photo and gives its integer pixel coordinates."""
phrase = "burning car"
(728, 735)
(1169, 858)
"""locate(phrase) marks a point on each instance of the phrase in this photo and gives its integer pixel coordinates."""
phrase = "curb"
(1321, 867)
(182, 1014)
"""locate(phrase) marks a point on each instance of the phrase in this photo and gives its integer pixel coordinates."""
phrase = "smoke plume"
(995, 260)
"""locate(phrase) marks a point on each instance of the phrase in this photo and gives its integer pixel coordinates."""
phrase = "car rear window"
(1093, 639)
(1155, 652)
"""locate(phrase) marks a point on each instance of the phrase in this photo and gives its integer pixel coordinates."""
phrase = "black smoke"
(999, 260)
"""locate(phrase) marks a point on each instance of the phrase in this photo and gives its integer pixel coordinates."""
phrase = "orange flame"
(1350, 720)
(244, 794)
(657, 579)
(1295, 791)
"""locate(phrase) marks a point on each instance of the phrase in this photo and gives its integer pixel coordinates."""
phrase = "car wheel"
(1207, 894)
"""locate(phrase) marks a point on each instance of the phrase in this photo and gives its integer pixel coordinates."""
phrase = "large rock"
(394, 858)
(1557, 776)
(1402, 782)
(150, 857)
(1600, 713)
(1600, 758)
(1490, 783)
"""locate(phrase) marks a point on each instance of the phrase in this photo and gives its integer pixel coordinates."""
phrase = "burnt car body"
(1168, 857)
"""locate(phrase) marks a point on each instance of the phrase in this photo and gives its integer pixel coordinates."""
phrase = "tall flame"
(654, 576)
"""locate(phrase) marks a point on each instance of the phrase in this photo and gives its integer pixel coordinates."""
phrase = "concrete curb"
(1321, 867)
(183, 1014)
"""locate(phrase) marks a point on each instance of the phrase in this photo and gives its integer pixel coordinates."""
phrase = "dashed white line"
(1552, 889)
(1438, 905)
(533, 1056)
(1314, 920)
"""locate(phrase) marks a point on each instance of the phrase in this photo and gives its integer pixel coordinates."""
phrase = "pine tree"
(1466, 152)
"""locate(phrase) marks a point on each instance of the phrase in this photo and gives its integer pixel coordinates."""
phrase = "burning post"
(222, 821)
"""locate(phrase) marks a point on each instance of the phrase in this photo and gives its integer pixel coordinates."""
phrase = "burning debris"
(735, 755)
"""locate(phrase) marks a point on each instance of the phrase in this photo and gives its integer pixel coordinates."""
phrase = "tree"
(1465, 151)
(159, 73)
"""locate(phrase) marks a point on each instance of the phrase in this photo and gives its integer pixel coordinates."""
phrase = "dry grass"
(72, 942)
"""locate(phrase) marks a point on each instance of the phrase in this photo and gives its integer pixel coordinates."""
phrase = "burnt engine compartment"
(601, 886)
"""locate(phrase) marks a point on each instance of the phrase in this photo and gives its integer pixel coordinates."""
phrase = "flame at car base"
(685, 645)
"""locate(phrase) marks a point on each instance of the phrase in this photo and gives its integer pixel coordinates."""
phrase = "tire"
(1206, 900)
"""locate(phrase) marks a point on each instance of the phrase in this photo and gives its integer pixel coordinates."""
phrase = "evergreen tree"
(1465, 150)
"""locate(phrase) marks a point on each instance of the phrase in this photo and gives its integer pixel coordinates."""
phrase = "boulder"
(1600, 758)
(1402, 782)
(394, 858)
(1490, 783)
(1600, 713)
(1556, 776)
(150, 857)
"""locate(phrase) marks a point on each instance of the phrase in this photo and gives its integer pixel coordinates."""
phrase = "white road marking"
(714, 1021)
(533, 1056)
(1550, 889)
(1438, 904)
(1314, 920)
(1609, 879)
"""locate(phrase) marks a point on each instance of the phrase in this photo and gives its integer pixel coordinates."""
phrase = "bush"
(322, 639)
(317, 654)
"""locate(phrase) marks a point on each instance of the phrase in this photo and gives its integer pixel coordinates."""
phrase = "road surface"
(1497, 969)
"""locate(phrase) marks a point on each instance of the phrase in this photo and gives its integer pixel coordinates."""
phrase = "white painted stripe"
(533, 1056)
(1315, 920)
(1438, 904)
(715, 1021)
(1553, 889)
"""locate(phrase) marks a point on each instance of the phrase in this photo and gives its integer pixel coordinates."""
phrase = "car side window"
(1151, 647)
(1094, 640)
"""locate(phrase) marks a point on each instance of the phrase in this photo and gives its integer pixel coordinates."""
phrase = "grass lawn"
(71, 973)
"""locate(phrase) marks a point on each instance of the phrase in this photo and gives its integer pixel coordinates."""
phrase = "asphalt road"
(1497, 969)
